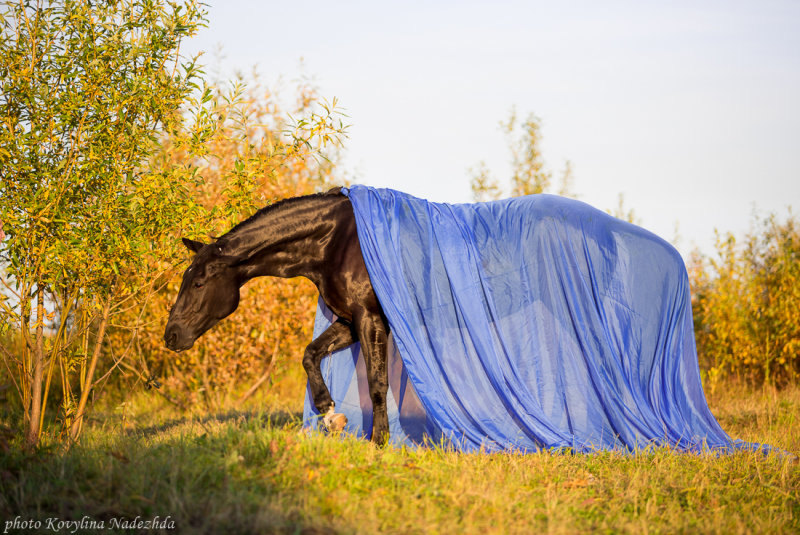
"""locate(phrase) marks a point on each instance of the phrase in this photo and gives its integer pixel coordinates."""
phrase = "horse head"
(209, 292)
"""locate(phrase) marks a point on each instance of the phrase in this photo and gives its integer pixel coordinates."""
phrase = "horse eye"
(198, 284)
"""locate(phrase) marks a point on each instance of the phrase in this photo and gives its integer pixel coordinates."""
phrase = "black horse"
(313, 237)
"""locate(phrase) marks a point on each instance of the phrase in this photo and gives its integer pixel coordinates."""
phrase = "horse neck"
(284, 241)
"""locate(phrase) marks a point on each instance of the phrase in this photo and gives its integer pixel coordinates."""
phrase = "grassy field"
(257, 471)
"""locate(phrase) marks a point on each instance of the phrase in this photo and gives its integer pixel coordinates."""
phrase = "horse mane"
(277, 206)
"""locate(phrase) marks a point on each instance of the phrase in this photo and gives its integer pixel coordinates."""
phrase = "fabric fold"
(527, 323)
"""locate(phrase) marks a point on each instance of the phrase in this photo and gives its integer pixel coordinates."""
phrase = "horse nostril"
(171, 337)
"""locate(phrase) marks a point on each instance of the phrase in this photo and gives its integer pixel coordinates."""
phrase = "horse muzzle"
(177, 339)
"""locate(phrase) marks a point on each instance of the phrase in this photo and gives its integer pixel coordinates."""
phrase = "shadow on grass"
(247, 475)
(274, 419)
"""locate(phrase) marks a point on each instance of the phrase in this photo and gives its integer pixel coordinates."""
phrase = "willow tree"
(529, 174)
(86, 89)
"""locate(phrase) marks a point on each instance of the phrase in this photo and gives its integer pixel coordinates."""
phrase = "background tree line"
(113, 146)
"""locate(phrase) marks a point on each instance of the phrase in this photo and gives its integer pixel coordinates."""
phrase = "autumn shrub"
(261, 150)
(746, 305)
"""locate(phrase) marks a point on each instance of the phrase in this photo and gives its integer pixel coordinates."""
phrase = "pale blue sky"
(691, 109)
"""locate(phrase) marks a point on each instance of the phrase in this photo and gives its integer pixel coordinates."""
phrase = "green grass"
(259, 472)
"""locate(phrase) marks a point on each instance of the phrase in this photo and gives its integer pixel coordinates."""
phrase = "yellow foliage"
(253, 158)
(746, 305)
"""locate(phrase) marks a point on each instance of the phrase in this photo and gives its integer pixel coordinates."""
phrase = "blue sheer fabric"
(528, 323)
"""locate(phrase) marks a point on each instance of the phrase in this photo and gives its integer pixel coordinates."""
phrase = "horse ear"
(193, 246)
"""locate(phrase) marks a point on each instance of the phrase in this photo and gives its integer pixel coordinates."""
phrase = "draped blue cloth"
(528, 323)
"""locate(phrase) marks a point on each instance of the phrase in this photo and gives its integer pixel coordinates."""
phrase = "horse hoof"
(337, 422)
(334, 421)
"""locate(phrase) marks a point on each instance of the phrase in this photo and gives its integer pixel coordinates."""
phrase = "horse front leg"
(338, 336)
(373, 335)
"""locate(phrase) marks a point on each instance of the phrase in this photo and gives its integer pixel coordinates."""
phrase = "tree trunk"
(32, 431)
(77, 423)
(25, 376)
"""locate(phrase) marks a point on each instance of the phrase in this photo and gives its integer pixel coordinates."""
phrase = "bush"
(253, 157)
(746, 305)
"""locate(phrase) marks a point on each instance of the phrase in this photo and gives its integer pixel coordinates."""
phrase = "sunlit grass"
(260, 472)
